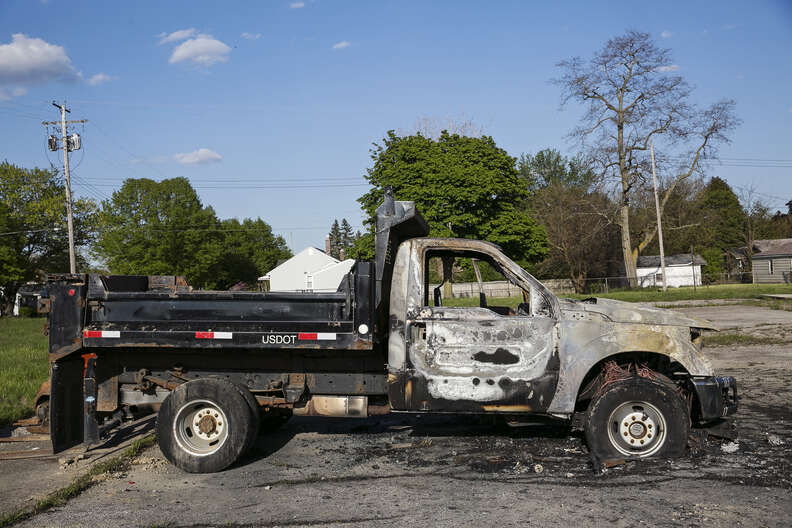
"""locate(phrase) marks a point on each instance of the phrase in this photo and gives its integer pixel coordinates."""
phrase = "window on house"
(309, 282)
(659, 278)
(770, 266)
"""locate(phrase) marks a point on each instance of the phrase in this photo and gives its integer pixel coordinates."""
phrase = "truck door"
(478, 344)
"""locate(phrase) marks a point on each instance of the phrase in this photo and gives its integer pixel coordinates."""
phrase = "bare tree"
(632, 98)
(431, 127)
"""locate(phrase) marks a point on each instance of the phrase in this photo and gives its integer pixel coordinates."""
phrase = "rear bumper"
(716, 395)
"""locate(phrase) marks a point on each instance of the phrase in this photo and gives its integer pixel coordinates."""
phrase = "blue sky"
(270, 107)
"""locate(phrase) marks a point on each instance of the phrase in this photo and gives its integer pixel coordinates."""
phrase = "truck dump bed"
(133, 311)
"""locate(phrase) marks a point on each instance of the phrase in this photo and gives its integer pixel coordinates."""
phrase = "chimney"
(341, 254)
(327, 244)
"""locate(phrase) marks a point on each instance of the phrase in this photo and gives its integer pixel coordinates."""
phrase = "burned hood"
(624, 312)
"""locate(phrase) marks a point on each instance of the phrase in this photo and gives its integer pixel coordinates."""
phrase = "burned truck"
(219, 367)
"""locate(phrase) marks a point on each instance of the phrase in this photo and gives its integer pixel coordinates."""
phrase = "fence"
(592, 285)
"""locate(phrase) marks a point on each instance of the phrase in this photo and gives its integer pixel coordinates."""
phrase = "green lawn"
(722, 291)
(23, 365)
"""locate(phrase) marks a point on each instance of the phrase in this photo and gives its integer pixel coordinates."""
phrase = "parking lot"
(456, 471)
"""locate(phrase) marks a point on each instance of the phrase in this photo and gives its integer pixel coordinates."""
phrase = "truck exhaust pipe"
(340, 407)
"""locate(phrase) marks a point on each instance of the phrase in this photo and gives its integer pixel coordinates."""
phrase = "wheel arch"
(660, 363)
(584, 349)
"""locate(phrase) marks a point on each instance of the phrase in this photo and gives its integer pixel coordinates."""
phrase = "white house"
(679, 270)
(309, 270)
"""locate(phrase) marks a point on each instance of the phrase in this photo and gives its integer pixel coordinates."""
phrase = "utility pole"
(659, 221)
(66, 148)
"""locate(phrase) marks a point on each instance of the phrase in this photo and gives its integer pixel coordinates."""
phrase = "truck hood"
(624, 312)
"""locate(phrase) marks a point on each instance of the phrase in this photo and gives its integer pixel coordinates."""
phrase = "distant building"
(771, 261)
(309, 270)
(680, 271)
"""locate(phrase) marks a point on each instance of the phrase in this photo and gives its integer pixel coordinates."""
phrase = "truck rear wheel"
(636, 418)
(205, 425)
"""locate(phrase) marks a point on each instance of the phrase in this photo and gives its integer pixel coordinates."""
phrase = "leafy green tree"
(11, 264)
(32, 203)
(251, 249)
(723, 216)
(465, 187)
(347, 236)
(335, 239)
(342, 238)
(711, 271)
(162, 228)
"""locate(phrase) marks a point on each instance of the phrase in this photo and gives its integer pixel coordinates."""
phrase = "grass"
(741, 340)
(23, 365)
(687, 293)
(79, 484)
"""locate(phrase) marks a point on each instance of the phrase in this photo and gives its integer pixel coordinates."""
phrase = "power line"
(30, 231)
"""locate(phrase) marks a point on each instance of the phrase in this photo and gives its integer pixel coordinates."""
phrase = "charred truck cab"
(219, 367)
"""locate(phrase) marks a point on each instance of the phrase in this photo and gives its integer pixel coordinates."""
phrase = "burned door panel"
(477, 356)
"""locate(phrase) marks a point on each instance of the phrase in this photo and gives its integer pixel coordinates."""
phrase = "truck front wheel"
(205, 425)
(637, 417)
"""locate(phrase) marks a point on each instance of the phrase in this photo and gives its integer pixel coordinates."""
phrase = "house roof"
(773, 248)
(682, 259)
(320, 260)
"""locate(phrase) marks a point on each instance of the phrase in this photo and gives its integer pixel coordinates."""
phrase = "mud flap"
(66, 403)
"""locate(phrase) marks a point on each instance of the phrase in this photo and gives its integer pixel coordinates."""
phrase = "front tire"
(204, 425)
(637, 418)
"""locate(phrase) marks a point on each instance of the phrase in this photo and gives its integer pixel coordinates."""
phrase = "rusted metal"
(271, 401)
(43, 305)
(334, 406)
(107, 395)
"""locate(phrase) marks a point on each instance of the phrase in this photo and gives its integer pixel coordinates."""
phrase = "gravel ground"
(457, 471)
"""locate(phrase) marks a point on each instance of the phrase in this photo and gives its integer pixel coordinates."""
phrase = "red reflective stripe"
(92, 333)
(204, 335)
(306, 336)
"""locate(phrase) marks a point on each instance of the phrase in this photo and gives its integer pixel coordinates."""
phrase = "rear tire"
(637, 418)
(254, 417)
(204, 425)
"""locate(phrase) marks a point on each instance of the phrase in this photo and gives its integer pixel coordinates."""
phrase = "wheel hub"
(638, 429)
(201, 427)
(207, 423)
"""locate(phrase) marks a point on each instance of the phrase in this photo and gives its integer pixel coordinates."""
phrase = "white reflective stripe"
(223, 335)
(111, 333)
(325, 337)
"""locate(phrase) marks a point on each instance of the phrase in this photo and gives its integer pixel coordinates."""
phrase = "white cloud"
(251, 36)
(341, 45)
(729, 27)
(666, 34)
(176, 36)
(198, 157)
(100, 78)
(204, 50)
(297, 5)
(26, 61)
(669, 68)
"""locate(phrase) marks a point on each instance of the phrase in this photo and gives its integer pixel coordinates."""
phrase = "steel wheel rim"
(637, 429)
(200, 427)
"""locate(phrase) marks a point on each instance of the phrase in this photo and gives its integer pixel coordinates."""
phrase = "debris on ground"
(774, 440)
(731, 447)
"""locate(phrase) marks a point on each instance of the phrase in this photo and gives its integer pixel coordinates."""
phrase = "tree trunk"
(627, 251)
